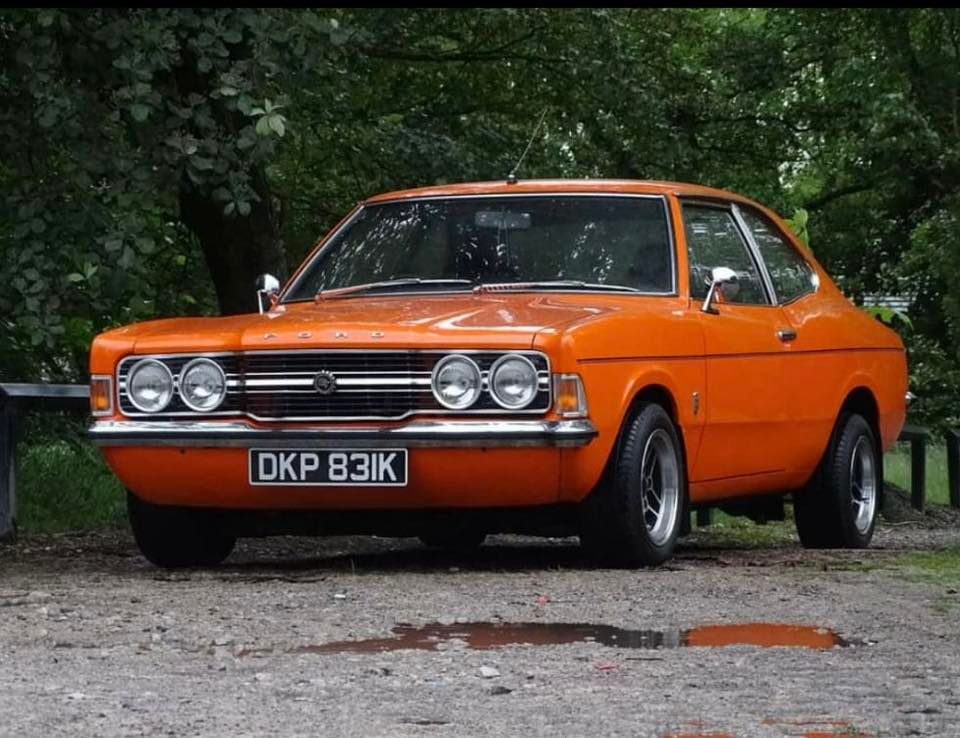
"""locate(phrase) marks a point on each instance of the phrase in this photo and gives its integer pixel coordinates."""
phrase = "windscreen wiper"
(559, 284)
(389, 284)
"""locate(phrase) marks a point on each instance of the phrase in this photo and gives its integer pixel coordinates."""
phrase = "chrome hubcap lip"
(863, 485)
(660, 486)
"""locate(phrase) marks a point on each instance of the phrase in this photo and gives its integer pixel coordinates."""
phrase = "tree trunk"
(237, 248)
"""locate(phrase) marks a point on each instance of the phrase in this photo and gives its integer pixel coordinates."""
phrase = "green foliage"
(798, 223)
(111, 118)
(65, 486)
(935, 380)
(143, 152)
(889, 315)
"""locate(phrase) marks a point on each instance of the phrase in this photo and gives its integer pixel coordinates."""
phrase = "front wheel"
(174, 537)
(838, 508)
(634, 518)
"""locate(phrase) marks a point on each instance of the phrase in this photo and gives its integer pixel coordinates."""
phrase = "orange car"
(550, 357)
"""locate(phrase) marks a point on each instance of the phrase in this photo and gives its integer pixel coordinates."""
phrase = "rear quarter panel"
(839, 349)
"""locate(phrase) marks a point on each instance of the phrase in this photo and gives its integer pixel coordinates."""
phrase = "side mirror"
(268, 287)
(726, 282)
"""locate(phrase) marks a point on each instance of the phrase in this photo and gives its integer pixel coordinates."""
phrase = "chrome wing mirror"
(268, 287)
(724, 281)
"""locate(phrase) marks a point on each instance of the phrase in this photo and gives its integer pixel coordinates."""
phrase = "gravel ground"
(93, 640)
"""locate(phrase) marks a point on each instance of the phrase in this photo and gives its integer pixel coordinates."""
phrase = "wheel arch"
(660, 394)
(861, 400)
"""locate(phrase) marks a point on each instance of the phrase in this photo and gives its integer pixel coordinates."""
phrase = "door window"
(790, 273)
(713, 240)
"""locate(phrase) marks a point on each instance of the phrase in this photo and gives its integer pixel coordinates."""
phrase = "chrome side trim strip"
(429, 433)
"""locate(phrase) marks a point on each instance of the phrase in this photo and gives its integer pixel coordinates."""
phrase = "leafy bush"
(935, 380)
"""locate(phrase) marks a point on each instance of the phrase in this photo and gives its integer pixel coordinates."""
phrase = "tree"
(155, 161)
(122, 127)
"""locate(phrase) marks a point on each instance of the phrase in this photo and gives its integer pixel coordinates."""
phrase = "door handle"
(787, 334)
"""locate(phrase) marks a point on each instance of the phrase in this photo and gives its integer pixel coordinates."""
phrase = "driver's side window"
(713, 240)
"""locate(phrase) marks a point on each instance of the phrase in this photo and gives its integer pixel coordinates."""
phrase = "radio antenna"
(512, 177)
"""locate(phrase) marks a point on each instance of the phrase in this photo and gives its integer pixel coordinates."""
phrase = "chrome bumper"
(458, 434)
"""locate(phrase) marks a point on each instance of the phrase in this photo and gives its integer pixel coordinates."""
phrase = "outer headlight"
(150, 386)
(513, 381)
(456, 382)
(202, 385)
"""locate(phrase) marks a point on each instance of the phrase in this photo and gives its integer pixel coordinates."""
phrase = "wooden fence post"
(953, 466)
(8, 469)
(918, 472)
(917, 436)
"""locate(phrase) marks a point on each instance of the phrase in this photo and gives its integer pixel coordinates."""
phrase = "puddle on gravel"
(486, 636)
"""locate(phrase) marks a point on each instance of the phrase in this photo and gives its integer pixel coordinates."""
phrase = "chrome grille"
(371, 385)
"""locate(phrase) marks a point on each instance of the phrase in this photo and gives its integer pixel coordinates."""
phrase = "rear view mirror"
(502, 220)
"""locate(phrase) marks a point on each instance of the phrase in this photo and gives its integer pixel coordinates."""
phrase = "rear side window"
(790, 273)
(713, 240)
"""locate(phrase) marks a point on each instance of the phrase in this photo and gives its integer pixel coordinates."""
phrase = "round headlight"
(513, 381)
(202, 385)
(456, 382)
(150, 386)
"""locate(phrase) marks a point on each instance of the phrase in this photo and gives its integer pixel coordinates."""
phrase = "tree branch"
(825, 199)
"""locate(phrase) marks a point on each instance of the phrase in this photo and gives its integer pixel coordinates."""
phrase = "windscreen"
(602, 240)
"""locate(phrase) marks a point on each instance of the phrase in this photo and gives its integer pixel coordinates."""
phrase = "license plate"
(341, 467)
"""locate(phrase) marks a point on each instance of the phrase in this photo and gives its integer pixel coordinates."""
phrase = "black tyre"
(174, 537)
(838, 509)
(634, 517)
(454, 540)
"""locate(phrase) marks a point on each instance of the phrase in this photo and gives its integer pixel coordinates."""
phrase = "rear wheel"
(174, 537)
(838, 508)
(634, 517)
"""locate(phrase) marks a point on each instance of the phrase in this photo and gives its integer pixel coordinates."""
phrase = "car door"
(813, 365)
(745, 399)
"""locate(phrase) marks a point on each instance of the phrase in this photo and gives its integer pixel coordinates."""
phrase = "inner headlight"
(150, 386)
(456, 382)
(513, 381)
(202, 385)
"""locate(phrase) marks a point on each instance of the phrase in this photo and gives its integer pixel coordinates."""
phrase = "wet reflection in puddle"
(485, 636)
(826, 729)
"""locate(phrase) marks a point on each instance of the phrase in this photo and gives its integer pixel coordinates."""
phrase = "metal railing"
(15, 401)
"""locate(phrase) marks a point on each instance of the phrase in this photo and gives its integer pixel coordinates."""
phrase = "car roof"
(564, 186)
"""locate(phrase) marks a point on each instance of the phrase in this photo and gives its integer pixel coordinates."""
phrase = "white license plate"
(339, 467)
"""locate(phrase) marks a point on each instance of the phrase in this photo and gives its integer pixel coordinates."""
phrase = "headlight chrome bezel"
(434, 386)
(492, 384)
(185, 398)
(131, 395)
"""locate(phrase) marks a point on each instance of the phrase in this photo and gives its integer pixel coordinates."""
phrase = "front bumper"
(436, 434)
